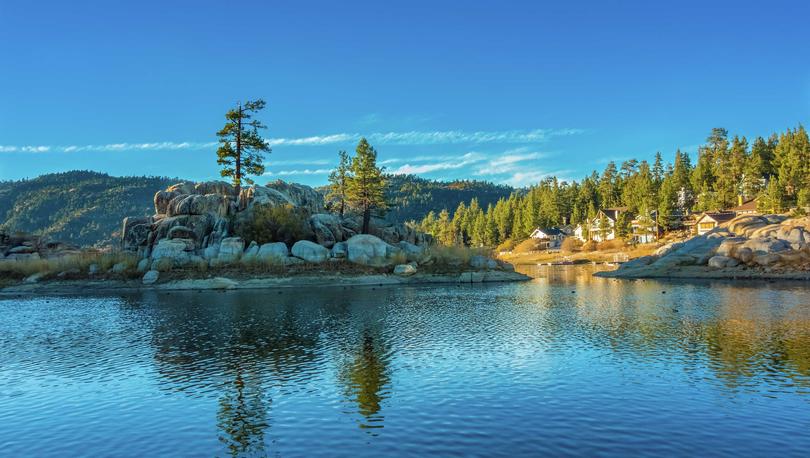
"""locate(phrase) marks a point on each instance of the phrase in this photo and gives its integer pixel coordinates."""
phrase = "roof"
(748, 205)
(720, 217)
(549, 231)
(613, 212)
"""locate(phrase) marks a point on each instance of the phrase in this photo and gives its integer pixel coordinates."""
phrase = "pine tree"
(365, 189)
(242, 149)
(339, 182)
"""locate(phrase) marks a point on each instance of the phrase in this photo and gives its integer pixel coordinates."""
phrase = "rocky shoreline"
(749, 247)
(269, 282)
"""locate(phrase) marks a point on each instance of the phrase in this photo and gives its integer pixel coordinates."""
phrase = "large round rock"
(310, 251)
(368, 250)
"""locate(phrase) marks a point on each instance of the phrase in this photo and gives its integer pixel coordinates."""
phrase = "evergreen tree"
(339, 183)
(365, 190)
(241, 150)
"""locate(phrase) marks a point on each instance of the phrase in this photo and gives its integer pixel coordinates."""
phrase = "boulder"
(730, 245)
(326, 228)
(310, 251)
(720, 262)
(201, 225)
(93, 269)
(412, 252)
(339, 250)
(745, 225)
(405, 270)
(767, 259)
(178, 251)
(143, 265)
(135, 233)
(181, 232)
(230, 250)
(273, 252)
(368, 250)
(150, 277)
(220, 188)
(744, 254)
(195, 204)
(119, 268)
(765, 245)
(666, 249)
(251, 252)
(299, 195)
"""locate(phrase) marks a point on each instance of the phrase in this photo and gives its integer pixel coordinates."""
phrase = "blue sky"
(502, 91)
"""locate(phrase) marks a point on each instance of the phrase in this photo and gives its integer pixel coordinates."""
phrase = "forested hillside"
(411, 197)
(775, 171)
(80, 207)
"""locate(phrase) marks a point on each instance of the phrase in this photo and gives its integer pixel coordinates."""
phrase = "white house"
(605, 221)
(645, 229)
(552, 235)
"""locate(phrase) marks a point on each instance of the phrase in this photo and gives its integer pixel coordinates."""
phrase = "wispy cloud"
(377, 138)
(449, 163)
(283, 173)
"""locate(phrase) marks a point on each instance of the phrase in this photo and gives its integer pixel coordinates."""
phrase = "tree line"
(775, 170)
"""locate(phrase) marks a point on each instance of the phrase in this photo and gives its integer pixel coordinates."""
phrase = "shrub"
(529, 245)
(265, 224)
(507, 245)
(590, 245)
(454, 256)
(615, 244)
(570, 245)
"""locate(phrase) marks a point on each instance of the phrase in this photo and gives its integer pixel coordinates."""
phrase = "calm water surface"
(564, 365)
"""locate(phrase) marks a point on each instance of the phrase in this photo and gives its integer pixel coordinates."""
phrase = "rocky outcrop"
(195, 221)
(749, 243)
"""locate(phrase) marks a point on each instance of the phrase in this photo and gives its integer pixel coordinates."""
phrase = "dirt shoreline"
(295, 281)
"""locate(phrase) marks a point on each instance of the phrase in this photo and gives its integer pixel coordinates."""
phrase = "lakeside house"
(602, 227)
(645, 228)
(745, 207)
(710, 220)
(551, 237)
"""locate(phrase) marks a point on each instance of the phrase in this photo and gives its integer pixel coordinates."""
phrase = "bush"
(615, 244)
(454, 256)
(265, 224)
(507, 245)
(590, 245)
(530, 245)
(570, 245)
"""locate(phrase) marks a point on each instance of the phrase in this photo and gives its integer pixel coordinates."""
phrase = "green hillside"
(80, 207)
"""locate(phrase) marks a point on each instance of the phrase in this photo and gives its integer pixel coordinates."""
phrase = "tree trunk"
(238, 172)
(366, 220)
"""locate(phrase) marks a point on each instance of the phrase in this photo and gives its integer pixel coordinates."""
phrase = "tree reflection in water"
(366, 379)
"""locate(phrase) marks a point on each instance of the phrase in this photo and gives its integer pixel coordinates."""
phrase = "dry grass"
(588, 253)
(72, 266)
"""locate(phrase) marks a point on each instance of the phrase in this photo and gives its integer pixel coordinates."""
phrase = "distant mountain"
(86, 208)
(80, 207)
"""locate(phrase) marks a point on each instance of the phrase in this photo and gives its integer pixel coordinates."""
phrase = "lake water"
(564, 365)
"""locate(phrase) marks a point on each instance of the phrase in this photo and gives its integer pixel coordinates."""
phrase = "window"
(707, 226)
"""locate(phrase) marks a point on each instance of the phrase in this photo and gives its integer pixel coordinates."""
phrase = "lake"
(565, 365)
